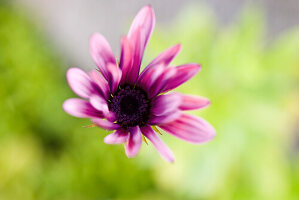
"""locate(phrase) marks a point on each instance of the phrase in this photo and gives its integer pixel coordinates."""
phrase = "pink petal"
(80, 82)
(118, 137)
(183, 74)
(110, 116)
(101, 83)
(190, 128)
(134, 142)
(148, 79)
(161, 83)
(105, 124)
(126, 61)
(163, 150)
(137, 53)
(99, 103)
(164, 119)
(101, 53)
(114, 76)
(191, 102)
(164, 58)
(167, 103)
(144, 19)
(139, 35)
(80, 108)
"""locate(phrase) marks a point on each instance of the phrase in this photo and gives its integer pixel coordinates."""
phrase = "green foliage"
(253, 86)
(44, 153)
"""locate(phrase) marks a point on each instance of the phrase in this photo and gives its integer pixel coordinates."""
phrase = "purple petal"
(99, 103)
(167, 103)
(101, 53)
(110, 116)
(191, 102)
(126, 61)
(183, 74)
(118, 137)
(148, 79)
(105, 124)
(101, 83)
(132, 74)
(126, 53)
(80, 82)
(134, 142)
(190, 128)
(114, 76)
(162, 82)
(80, 108)
(164, 58)
(163, 150)
(164, 119)
(139, 34)
(145, 19)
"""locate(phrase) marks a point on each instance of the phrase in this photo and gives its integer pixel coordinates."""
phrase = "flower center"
(131, 106)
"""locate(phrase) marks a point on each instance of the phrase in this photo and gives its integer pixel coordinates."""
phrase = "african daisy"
(120, 98)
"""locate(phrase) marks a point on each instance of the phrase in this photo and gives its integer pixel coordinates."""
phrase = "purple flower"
(131, 103)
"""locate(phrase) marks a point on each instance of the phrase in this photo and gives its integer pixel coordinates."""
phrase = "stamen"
(157, 130)
(144, 139)
(90, 126)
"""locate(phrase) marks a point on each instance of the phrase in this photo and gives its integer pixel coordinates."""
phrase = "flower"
(131, 103)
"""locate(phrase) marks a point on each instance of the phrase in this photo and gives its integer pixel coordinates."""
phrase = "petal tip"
(178, 46)
(130, 154)
(149, 8)
(170, 159)
(92, 38)
(206, 103)
(64, 105)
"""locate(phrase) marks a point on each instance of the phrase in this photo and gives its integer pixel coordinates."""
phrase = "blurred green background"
(253, 84)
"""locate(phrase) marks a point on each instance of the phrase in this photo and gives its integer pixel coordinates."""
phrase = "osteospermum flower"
(133, 104)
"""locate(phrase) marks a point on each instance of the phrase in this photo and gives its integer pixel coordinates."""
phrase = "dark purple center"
(131, 106)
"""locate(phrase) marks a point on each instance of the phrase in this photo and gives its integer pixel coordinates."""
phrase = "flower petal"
(126, 61)
(110, 116)
(164, 119)
(191, 102)
(190, 128)
(144, 19)
(101, 53)
(145, 22)
(80, 82)
(101, 83)
(118, 137)
(114, 76)
(149, 78)
(167, 103)
(162, 82)
(164, 58)
(163, 150)
(99, 103)
(139, 35)
(105, 124)
(134, 142)
(183, 74)
(137, 53)
(80, 108)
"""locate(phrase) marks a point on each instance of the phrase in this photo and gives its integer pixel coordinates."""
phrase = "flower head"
(120, 98)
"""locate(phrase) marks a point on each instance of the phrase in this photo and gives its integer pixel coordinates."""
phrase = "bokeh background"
(249, 51)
